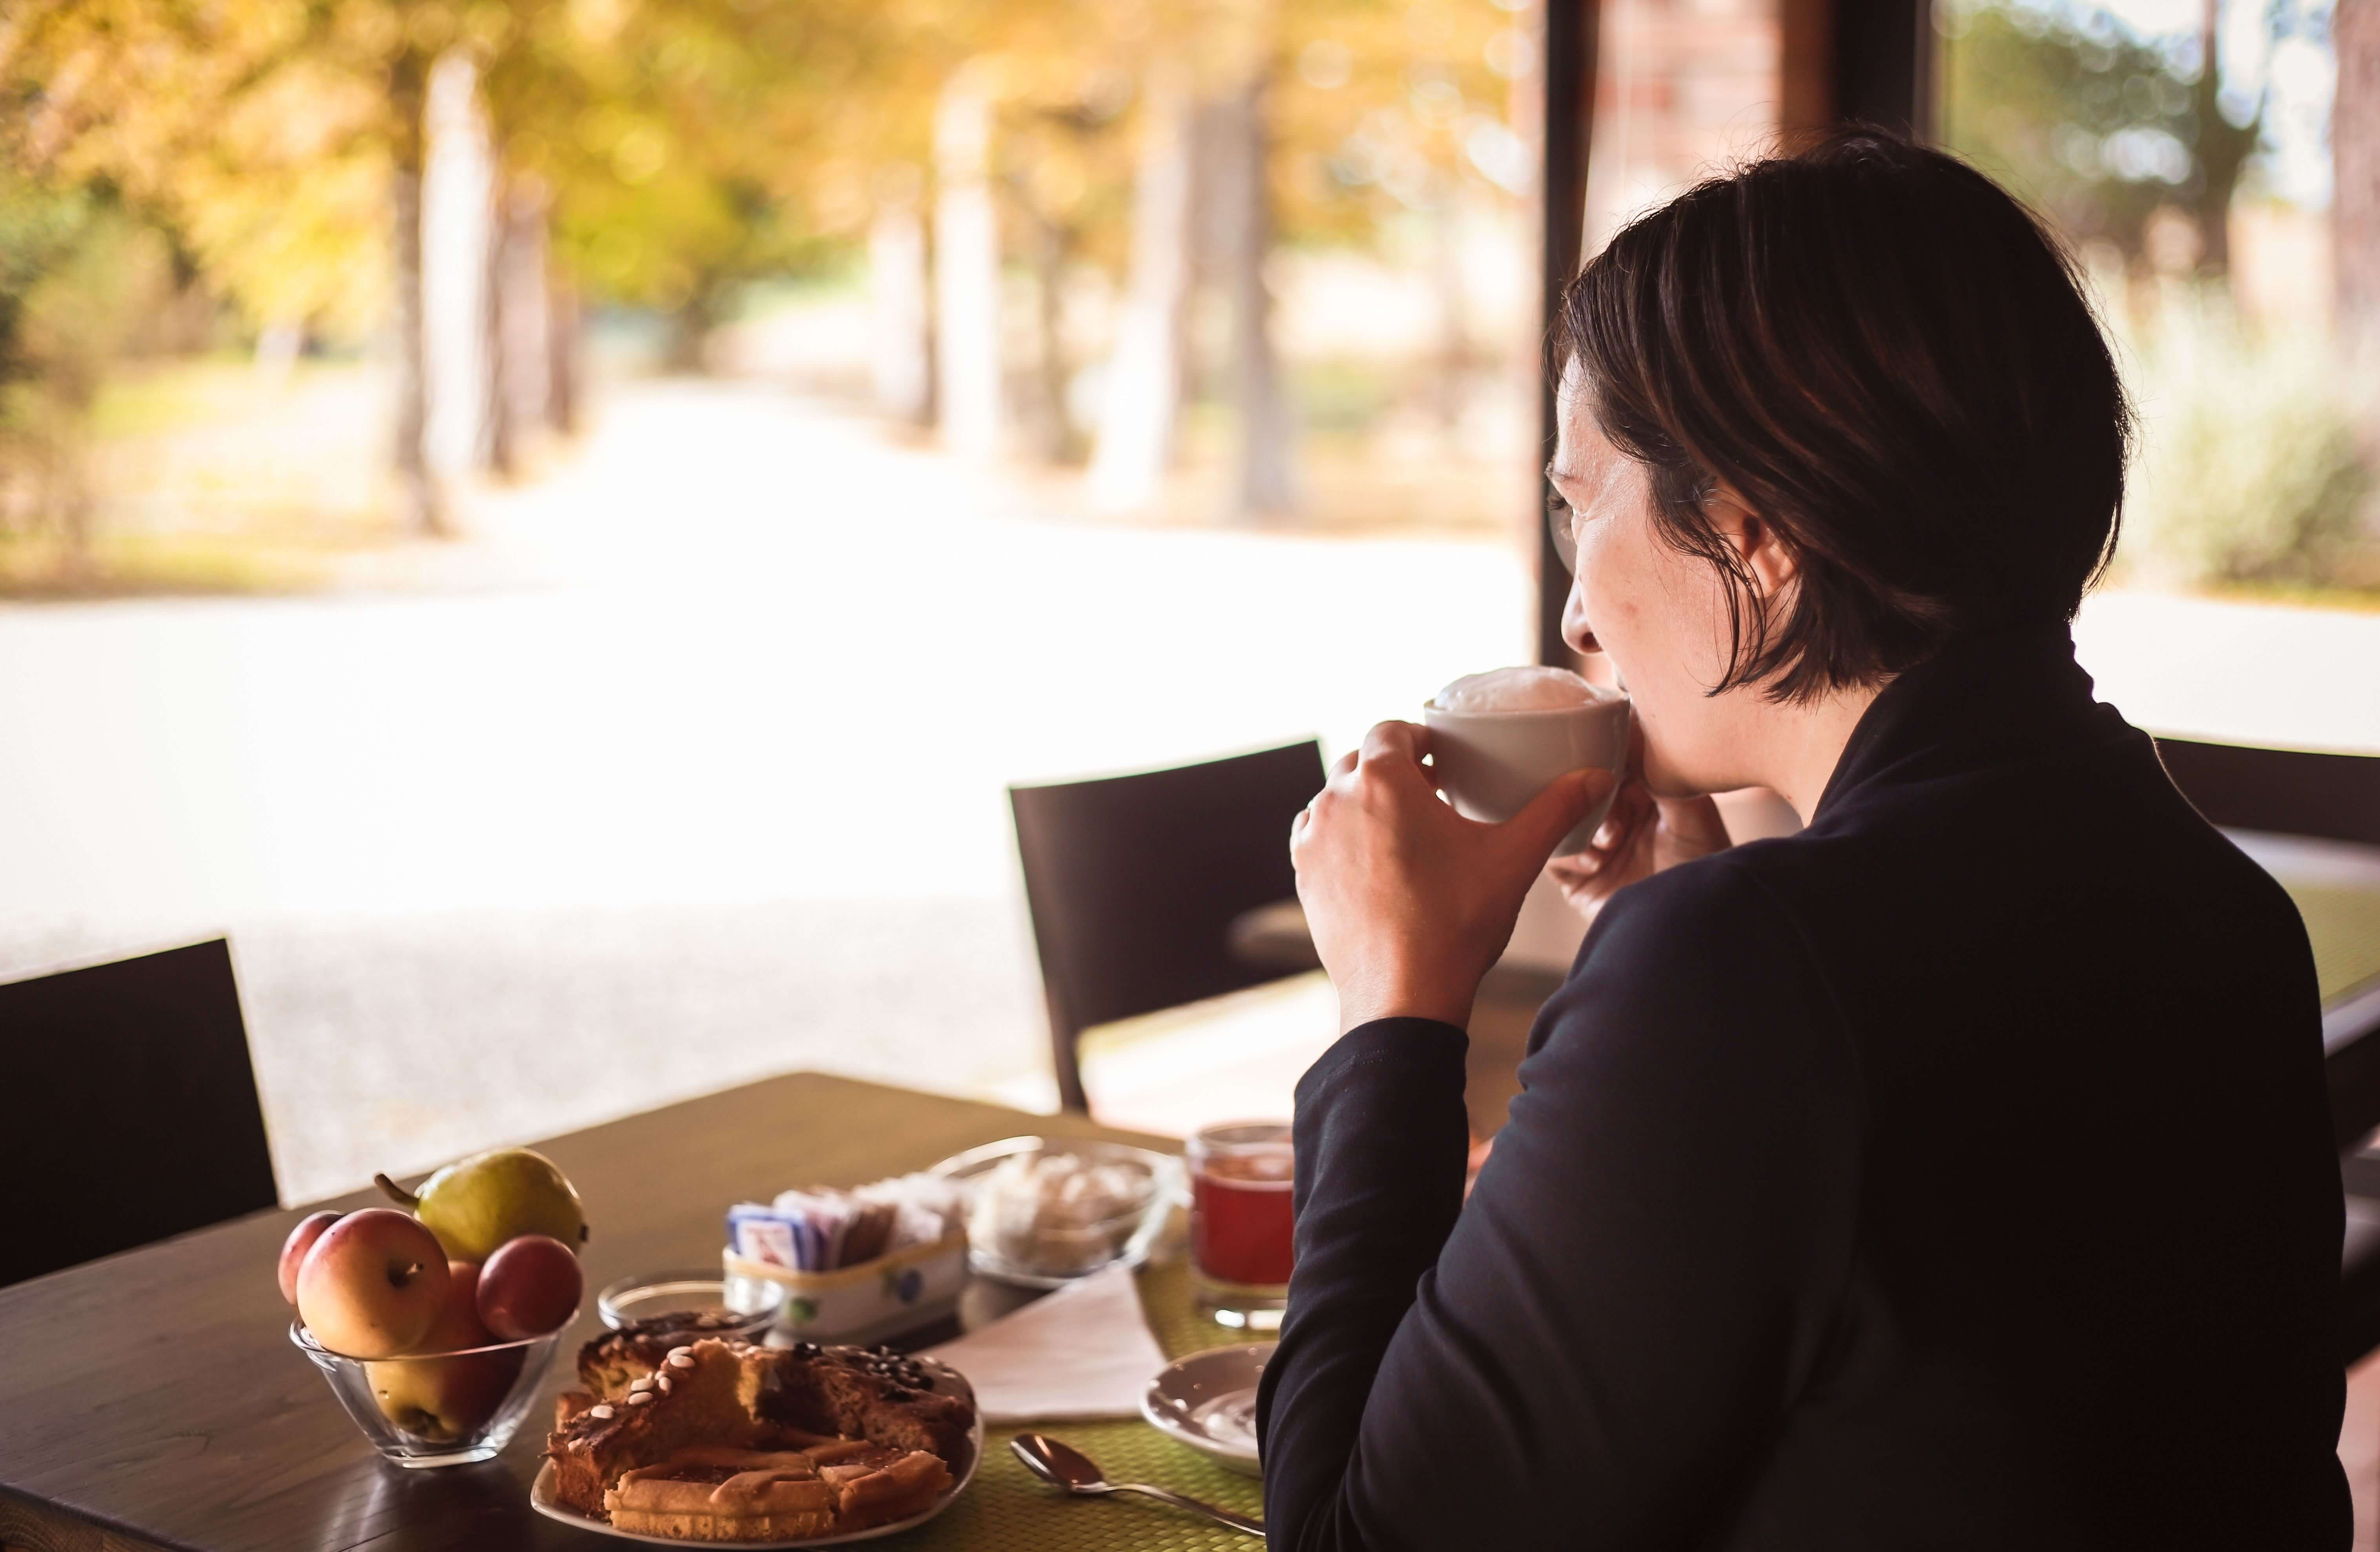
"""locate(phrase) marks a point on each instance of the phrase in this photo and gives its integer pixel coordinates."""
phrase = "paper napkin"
(1082, 1352)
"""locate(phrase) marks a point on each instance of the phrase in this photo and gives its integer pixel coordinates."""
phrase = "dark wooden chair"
(2359, 1256)
(2350, 1040)
(2290, 791)
(133, 1113)
(1134, 883)
(2327, 797)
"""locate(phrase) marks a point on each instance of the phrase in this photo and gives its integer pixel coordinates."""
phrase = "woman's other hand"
(1410, 902)
(1641, 835)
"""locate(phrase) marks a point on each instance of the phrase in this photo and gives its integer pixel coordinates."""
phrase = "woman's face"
(1661, 615)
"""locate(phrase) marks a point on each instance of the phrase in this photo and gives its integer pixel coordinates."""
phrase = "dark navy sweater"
(1954, 1174)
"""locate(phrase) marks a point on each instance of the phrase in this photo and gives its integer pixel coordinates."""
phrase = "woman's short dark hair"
(1893, 363)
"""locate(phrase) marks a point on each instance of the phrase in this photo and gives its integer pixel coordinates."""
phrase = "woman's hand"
(1641, 835)
(1410, 902)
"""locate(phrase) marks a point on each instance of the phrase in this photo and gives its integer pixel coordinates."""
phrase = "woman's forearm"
(1381, 1142)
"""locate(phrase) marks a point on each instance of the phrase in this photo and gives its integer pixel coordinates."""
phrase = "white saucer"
(540, 1498)
(1207, 1400)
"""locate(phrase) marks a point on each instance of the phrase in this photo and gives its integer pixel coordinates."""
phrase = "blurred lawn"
(2343, 924)
(124, 566)
(214, 476)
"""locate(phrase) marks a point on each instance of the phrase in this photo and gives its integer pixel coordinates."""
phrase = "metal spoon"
(1063, 1466)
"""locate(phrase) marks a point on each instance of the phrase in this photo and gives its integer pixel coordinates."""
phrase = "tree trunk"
(2223, 147)
(1142, 396)
(563, 380)
(900, 302)
(495, 442)
(457, 220)
(1263, 490)
(524, 312)
(1447, 389)
(1052, 437)
(2355, 166)
(966, 268)
(691, 324)
(420, 505)
(69, 490)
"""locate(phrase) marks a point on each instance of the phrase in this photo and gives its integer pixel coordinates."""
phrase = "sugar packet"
(818, 1229)
(758, 1233)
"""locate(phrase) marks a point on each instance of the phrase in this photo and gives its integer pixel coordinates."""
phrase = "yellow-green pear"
(476, 1204)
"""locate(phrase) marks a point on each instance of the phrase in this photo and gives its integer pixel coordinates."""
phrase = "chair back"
(2325, 797)
(1133, 881)
(2290, 791)
(2351, 1032)
(132, 1103)
(2350, 1046)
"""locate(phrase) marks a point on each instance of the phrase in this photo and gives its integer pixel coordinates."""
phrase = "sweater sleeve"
(1598, 1347)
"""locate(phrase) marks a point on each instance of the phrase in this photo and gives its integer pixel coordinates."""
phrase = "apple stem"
(396, 1192)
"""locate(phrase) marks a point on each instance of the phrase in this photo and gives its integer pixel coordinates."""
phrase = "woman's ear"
(1756, 540)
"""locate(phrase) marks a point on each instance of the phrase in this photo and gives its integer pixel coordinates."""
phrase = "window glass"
(555, 525)
(2186, 150)
(1683, 87)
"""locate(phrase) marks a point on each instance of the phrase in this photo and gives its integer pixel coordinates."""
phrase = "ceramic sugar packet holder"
(878, 1298)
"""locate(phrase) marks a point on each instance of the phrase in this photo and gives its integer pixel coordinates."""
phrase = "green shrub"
(2248, 469)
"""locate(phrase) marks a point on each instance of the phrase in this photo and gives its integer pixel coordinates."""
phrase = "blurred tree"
(2220, 145)
(969, 339)
(663, 160)
(423, 505)
(1384, 105)
(2095, 125)
(84, 282)
(665, 153)
(1064, 172)
(39, 229)
(1240, 187)
(260, 129)
(1144, 380)
(2355, 164)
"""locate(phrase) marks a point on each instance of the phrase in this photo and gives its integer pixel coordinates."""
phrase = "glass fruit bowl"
(1042, 1212)
(438, 1409)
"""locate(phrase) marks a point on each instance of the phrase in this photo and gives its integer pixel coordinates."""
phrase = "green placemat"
(1007, 1510)
(2343, 922)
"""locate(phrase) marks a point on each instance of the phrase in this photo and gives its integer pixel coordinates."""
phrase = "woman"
(1956, 1173)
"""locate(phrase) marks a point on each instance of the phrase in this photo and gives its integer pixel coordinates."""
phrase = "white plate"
(1207, 1400)
(540, 1498)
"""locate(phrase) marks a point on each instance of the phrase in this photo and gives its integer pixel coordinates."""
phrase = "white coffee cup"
(1490, 763)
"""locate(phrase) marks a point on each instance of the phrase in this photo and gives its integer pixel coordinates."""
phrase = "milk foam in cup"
(1519, 689)
(1497, 738)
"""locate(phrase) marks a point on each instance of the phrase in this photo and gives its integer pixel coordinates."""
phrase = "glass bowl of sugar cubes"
(1043, 1211)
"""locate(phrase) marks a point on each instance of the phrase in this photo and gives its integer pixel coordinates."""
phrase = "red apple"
(444, 1399)
(374, 1284)
(458, 1326)
(293, 1250)
(529, 1287)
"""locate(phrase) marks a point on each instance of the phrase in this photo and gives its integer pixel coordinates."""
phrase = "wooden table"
(153, 1399)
